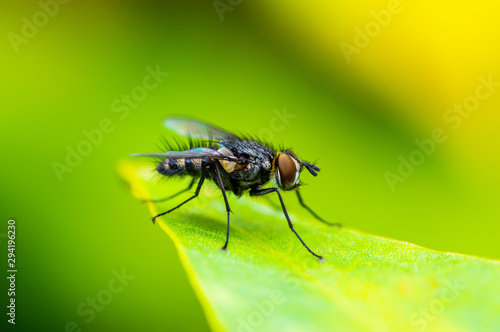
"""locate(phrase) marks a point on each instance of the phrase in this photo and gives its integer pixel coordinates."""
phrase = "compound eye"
(287, 171)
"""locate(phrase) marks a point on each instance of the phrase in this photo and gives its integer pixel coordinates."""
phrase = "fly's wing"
(191, 127)
(198, 153)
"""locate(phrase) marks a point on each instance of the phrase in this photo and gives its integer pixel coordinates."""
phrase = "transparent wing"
(190, 127)
(198, 153)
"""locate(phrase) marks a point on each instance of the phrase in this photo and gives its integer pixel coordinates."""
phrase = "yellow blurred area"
(426, 58)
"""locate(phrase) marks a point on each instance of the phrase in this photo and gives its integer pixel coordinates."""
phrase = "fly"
(235, 164)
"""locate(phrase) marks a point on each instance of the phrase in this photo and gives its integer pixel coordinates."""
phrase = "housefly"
(235, 164)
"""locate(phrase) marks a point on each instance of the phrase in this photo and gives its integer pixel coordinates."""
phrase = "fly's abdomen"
(180, 166)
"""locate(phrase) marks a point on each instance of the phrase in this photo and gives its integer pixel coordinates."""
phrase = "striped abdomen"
(180, 166)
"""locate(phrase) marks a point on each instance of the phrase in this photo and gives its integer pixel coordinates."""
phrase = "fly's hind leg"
(158, 200)
(198, 188)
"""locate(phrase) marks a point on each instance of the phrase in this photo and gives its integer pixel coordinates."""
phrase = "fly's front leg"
(261, 192)
(299, 196)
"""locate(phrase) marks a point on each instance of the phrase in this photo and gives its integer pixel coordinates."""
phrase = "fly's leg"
(228, 210)
(198, 188)
(261, 192)
(301, 201)
(158, 200)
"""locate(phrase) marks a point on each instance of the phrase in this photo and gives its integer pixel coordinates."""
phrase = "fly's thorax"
(252, 166)
(287, 169)
(231, 166)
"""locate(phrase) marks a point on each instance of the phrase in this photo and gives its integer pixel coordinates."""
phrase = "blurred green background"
(356, 117)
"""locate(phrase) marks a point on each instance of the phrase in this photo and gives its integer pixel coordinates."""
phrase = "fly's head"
(287, 168)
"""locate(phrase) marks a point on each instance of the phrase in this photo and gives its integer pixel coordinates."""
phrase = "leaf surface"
(267, 281)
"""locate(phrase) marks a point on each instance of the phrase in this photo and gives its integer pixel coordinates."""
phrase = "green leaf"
(267, 281)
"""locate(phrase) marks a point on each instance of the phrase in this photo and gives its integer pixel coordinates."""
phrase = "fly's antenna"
(313, 169)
